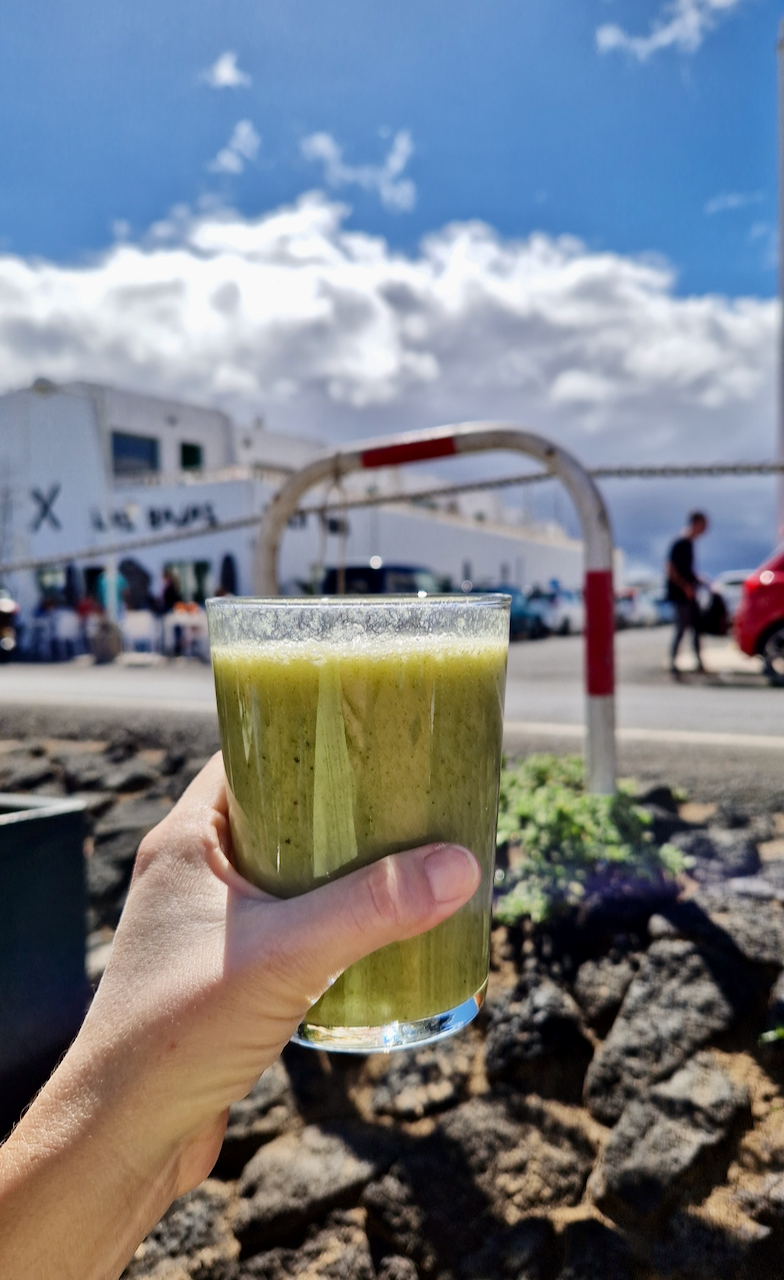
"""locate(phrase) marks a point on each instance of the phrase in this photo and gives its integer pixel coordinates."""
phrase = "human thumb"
(332, 927)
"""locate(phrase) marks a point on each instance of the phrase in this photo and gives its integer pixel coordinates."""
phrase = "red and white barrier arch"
(478, 437)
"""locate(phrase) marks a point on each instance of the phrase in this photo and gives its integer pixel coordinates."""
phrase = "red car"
(759, 621)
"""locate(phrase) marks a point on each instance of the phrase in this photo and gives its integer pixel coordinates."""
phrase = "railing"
(479, 437)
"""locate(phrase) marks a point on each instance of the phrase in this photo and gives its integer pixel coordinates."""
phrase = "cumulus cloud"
(394, 191)
(243, 145)
(681, 24)
(225, 74)
(728, 200)
(331, 333)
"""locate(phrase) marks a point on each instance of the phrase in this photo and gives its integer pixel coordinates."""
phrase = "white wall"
(52, 471)
(147, 510)
(168, 421)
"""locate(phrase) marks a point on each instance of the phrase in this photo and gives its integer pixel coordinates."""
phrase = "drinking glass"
(353, 728)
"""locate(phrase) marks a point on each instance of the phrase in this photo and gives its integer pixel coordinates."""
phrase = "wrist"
(81, 1168)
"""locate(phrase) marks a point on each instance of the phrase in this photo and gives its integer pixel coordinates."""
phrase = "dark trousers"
(687, 618)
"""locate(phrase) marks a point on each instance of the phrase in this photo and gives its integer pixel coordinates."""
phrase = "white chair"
(185, 632)
(140, 631)
(65, 633)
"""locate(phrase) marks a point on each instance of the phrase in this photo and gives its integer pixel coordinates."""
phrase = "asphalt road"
(718, 735)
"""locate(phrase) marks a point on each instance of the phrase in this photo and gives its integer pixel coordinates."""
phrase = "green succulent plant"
(567, 837)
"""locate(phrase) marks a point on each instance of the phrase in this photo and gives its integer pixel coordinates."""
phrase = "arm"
(686, 587)
(207, 981)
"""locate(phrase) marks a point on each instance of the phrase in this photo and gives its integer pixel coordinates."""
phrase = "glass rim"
(489, 599)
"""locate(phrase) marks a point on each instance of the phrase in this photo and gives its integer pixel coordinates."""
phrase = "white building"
(84, 467)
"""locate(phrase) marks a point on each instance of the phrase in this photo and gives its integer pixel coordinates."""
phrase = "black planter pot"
(43, 985)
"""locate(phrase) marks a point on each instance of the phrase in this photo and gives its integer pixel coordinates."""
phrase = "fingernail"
(450, 871)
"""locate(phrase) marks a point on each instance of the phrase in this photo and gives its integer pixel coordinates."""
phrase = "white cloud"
(332, 333)
(225, 74)
(394, 191)
(681, 24)
(728, 200)
(243, 145)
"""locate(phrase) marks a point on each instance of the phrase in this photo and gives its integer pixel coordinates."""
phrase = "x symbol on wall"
(45, 504)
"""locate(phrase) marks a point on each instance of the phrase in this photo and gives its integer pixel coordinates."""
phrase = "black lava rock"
(297, 1179)
(600, 986)
(719, 855)
(536, 1040)
(679, 1000)
(662, 1138)
(267, 1112)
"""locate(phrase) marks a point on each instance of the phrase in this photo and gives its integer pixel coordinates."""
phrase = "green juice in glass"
(337, 754)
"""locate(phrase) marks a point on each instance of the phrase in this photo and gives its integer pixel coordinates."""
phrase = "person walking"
(682, 584)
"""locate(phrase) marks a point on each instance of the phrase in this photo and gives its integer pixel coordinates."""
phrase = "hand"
(207, 981)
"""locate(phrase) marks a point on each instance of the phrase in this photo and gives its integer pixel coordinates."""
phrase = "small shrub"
(569, 838)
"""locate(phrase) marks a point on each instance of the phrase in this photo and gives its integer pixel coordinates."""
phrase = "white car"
(568, 612)
(729, 585)
(638, 607)
(561, 612)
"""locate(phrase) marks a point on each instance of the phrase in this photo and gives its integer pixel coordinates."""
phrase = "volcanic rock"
(130, 775)
(266, 1112)
(764, 1200)
(504, 1158)
(664, 823)
(693, 1246)
(117, 837)
(662, 796)
(718, 854)
(425, 1082)
(82, 770)
(600, 986)
(132, 815)
(182, 779)
(679, 1000)
(191, 1240)
(747, 927)
(339, 1252)
(519, 1253)
(593, 1251)
(661, 1139)
(730, 815)
(536, 1040)
(776, 1004)
(22, 772)
(394, 1267)
(296, 1179)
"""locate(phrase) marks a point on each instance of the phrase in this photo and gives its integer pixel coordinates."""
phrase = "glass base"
(394, 1035)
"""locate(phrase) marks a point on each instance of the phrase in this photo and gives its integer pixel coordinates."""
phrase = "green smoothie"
(337, 755)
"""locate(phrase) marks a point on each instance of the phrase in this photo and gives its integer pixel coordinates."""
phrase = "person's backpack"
(713, 618)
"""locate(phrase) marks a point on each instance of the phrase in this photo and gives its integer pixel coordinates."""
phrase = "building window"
(190, 457)
(134, 455)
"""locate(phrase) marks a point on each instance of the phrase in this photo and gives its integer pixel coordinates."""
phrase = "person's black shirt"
(682, 560)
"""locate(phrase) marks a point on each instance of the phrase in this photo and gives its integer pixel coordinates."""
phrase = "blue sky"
(610, 166)
(516, 118)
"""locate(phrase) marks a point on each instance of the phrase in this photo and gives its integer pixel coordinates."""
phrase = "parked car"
(759, 618)
(665, 611)
(729, 585)
(568, 612)
(524, 622)
(540, 602)
(380, 579)
(560, 611)
(638, 607)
